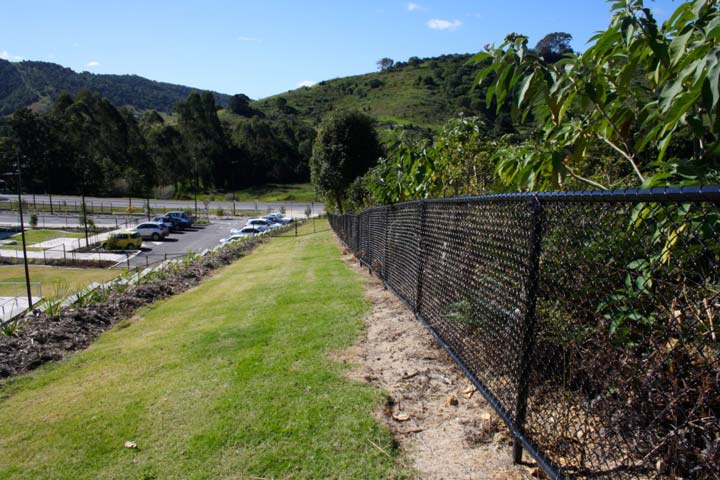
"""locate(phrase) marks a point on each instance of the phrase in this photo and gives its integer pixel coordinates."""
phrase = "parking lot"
(178, 243)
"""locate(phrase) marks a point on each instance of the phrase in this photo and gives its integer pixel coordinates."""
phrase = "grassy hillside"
(425, 93)
(36, 84)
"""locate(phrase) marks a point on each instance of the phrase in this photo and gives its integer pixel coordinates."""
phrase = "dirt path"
(446, 429)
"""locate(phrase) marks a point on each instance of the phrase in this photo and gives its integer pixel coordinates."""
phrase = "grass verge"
(50, 278)
(229, 380)
(34, 236)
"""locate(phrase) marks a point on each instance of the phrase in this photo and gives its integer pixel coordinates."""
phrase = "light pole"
(22, 231)
(196, 182)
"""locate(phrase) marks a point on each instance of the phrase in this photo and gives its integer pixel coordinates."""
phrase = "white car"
(261, 224)
(240, 234)
(151, 230)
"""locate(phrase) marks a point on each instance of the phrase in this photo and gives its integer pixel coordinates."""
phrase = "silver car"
(151, 230)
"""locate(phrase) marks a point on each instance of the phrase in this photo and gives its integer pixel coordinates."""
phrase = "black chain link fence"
(588, 320)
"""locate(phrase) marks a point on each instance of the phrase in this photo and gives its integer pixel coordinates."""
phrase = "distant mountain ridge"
(37, 84)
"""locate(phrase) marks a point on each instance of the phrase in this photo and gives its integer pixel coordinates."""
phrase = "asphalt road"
(177, 244)
(296, 209)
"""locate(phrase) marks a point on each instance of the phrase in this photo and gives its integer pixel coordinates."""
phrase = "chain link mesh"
(588, 321)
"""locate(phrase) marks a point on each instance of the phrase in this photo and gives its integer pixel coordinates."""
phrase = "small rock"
(401, 416)
(452, 401)
(130, 444)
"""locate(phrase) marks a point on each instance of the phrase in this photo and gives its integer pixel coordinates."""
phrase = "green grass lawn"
(272, 192)
(298, 192)
(33, 236)
(51, 278)
(229, 380)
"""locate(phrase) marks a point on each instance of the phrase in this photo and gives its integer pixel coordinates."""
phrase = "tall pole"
(84, 215)
(196, 184)
(84, 211)
(22, 233)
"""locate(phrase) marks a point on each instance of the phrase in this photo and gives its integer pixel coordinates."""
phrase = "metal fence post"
(528, 341)
(421, 256)
(385, 246)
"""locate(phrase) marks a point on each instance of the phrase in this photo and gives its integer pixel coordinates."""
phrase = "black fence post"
(385, 246)
(421, 256)
(528, 341)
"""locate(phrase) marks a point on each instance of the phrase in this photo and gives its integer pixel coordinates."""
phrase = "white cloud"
(440, 24)
(413, 6)
(248, 39)
(92, 63)
(5, 55)
(305, 83)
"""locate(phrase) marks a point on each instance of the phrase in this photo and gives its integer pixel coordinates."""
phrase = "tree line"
(85, 145)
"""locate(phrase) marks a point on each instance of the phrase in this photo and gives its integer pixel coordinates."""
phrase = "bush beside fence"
(586, 319)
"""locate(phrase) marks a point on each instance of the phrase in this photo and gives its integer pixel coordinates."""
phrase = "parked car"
(262, 222)
(183, 220)
(163, 226)
(166, 220)
(155, 231)
(278, 218)
(124, 240)
(242, 233)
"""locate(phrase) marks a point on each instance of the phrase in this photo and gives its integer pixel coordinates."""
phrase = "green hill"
(421, 92)
(37, 84)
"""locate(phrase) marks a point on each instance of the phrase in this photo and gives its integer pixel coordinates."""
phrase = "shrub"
(33, 220)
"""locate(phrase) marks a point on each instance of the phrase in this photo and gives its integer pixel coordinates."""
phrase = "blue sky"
(262, 48)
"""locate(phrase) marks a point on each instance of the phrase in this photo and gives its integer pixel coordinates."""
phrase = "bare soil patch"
(445, 427)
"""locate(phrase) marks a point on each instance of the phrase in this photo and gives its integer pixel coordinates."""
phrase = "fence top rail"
(703, 193)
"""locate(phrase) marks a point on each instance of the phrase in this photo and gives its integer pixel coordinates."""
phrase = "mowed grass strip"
(33, 236)
(229, 380)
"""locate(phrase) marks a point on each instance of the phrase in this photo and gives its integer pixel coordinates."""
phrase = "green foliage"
(87, 297)
(271, 150)
(554, 46)
(385, 64)
(240, 105)
(33, 220)
(456, 162)
(53, 304)
(9, 329)
(345, 148)
(637, 86)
